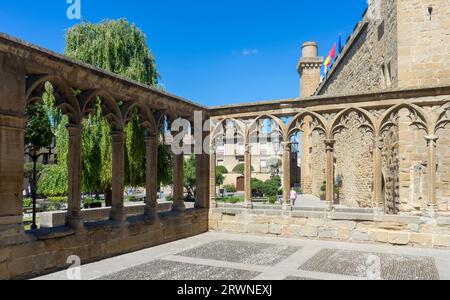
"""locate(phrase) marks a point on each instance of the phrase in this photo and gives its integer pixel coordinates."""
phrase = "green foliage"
(113, 45)
(230, 188)
(130, 199)
(220, 178)
(27, 202)
(28, 169)
(240, 169)
(38, 131)
(232, 200)
(323, 187)
(164, 165)
(269, 188)
(272, 199)
(189, 179)
(135, 153)
(91, 203)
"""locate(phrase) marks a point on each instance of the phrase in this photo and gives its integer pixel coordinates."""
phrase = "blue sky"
(213, 52)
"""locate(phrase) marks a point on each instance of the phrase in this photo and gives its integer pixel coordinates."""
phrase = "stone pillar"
(306, 176)
(73, 218)
(117, 210)
(247, 176)
(202, 181)
(212, 177)
(286, 174)
(432, 201)
(378, 184)
(12, 130)
(151, 182)
(178, 187)
(309, 69)
(330, 171)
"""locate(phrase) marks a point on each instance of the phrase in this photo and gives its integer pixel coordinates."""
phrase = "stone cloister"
(397, 132)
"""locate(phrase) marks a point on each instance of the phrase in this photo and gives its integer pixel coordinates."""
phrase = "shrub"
(169, 198)
(27, 202)
(130, 199)
(271, 186)
(240, 168)
(272, 199)
(91, 203)
(230, 188)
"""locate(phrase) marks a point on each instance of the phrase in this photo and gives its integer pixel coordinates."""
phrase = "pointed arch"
(366, 119)
(217, 126)
(443, 117)
(110, 109)
(418, 117)
(283, 128)
(65, 98)
(319, 123)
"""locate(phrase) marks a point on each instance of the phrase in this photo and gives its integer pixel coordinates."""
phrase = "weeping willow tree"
(119, 47)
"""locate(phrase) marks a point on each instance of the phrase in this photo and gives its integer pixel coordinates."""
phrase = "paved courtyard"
(225, 256)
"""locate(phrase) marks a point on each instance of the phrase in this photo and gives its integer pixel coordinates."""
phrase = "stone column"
(330, 171)
(12, 130)
(378, 184)
(431, 172)
(73, 218)
(151, 183)
(117, 210)
(202, 181)
(247, 176)
(286, 174)
(306, 176)
(178, 178)
(212, 177)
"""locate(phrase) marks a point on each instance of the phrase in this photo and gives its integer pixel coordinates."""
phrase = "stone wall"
(354, 163)
(47, 252)
(318, 162)
(370, 57)
(443, 169)
(423, 43)
(390, 165)
(342, 224)
(412, 166)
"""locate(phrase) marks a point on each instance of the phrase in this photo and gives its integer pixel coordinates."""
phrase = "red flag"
(333, 52)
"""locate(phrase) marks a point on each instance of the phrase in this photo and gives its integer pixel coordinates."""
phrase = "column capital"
(431, 139)
(74, 129)
(117, 136)
(329, 145)
(379, 142)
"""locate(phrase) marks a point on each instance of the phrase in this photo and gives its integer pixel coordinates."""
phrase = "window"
(263, 165)
(386, 80)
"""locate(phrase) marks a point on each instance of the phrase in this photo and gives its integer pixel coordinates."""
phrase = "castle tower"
(309, 69)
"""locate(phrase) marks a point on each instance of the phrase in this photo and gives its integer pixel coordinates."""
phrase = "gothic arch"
(283, 128)
(110, 109)
(419, 118)
(443, 117)
(216, 128)
(65, 98)
(150, 120)
(319, 123)
(366, 120)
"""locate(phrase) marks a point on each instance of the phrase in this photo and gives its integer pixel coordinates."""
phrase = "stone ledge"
(352, 216)
(443, 221)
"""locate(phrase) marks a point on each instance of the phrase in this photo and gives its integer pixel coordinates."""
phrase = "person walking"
(293, 196)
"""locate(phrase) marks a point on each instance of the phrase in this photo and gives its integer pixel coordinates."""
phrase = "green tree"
(38, 131)
(119, 47)
(220, 175)
(240, 168)
(189, 179)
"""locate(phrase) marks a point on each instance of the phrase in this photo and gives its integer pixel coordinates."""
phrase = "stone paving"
(225, 256)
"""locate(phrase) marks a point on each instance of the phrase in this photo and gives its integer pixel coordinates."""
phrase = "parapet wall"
(344, 224)
(49, 250)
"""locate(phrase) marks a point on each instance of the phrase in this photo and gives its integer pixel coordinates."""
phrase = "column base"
(287, 207)
(178, 207)
(431, 211)
(118, 216)
(151, 213)
(74, 222)
(248, 205)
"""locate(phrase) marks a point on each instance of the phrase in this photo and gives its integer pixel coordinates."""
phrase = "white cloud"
(248, 52)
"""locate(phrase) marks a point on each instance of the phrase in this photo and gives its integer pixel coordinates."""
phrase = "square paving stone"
(168, 270)
(242, 252)
(372, 265)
